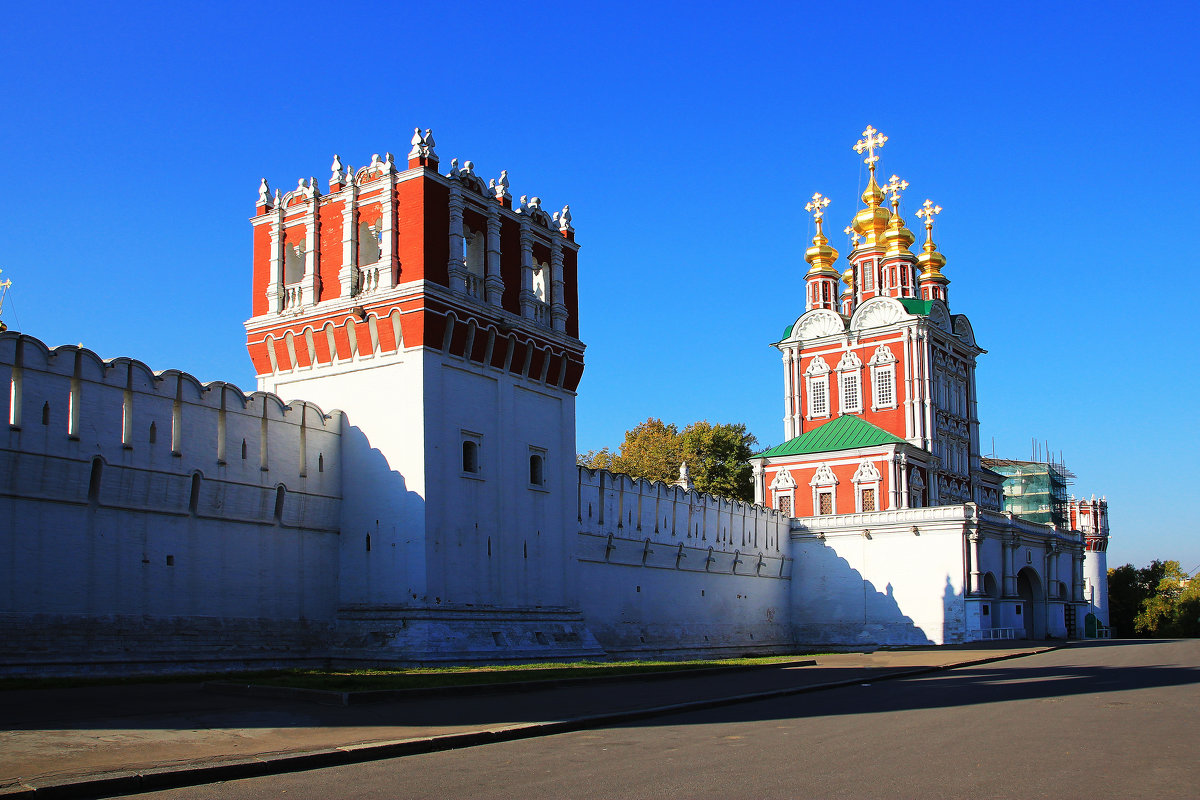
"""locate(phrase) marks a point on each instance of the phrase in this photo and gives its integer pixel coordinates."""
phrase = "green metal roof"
(787, 332)
(844, 433)
(914, 305)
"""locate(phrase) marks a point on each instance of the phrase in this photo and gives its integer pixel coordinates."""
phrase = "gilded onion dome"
(820, 255)
(872, 221)
(897, 238)
(930, 260)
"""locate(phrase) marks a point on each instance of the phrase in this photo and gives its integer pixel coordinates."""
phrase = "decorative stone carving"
(685, 478)
(883, 355)
(783, 481)
(264, 194)
(824, 477)
(849, 361)
(499, 187)
(915, 481)
(817, 367)
(877, 312)
(564, 219)
(939, 316)
(422, 145)
(339, 173)
(817, 323)
(963, 330)
(867, 472)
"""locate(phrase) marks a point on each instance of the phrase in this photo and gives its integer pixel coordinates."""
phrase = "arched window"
(817, 378)
(153, 433)
(194, 499)
(537, 474)
(293, 262)
(280, 495)
(539, 282)
(883, 378)
(470, 456)
(368, 243)
(94, 480)
(849, 383)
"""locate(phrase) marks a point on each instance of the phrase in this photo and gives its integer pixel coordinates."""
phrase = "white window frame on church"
(816, 379)
(823, 482)
(883, 378)
(783, 487)
(849, 371)
(867, 478)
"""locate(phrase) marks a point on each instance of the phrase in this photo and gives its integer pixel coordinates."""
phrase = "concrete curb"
(171, 777)
(334, 698)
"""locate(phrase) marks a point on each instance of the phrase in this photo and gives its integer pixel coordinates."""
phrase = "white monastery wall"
(382, 557)
(854, 588)
(669, 571)
(138, 508)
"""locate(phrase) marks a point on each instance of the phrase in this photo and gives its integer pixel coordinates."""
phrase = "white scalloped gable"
(878, 312)
(817, 323)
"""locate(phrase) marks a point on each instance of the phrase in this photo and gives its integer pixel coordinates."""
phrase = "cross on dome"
(896, 186)
(853, 234)
(816, 207)
(870, 142)
(927, 212)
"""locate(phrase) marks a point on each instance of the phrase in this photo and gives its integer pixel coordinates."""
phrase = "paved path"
(1104, 720)
(159, 735)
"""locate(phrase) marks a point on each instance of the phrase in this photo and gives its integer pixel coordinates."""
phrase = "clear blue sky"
(1059, 138)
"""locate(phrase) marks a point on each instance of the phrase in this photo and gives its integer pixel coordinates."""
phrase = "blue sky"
(1059, 138)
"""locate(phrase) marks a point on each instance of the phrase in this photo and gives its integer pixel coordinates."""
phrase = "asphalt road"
(1118, 719)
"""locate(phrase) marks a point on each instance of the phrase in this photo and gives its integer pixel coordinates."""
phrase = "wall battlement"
(129, 494)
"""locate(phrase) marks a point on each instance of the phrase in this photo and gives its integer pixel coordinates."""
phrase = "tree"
(1174, 608)
(717, 456)
(1156, 600)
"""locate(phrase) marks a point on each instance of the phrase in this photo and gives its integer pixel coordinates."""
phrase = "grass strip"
(356, 680)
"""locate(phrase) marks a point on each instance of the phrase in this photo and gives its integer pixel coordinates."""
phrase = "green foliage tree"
(717, 455)
(1156, 600)
(1174, 608)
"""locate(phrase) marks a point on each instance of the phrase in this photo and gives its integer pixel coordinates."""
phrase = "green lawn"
(357, 680)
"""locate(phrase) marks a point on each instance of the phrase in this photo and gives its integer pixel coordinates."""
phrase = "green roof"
(915, 305)
(844, 433)
(787, 332)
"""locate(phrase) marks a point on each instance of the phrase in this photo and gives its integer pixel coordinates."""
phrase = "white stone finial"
(264, 193)
(535, 202)
(429, 144)
(564, 219)
(685, 478)
(339, 172)
(376, 162)
(468, 167)
(389, 162)
(501, 186)
(417, 144)
(524, 202)
(454, 171)
(278, 197)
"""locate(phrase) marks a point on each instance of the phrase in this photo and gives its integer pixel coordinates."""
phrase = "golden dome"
(821, 256)
(930, 260)
(872, 221)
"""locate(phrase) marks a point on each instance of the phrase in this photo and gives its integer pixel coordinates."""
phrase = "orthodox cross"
(927, 212)
(853, 234)
(3, 291)
(817, 207)
(869, 142)
(895, 186)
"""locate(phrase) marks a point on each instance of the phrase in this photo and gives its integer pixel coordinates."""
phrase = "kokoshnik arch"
(148, 521)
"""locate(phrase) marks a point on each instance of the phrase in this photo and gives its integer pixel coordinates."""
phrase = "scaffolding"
(1035, 490)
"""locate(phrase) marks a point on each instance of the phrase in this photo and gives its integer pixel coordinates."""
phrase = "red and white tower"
(442, 319)
(1090, 517)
